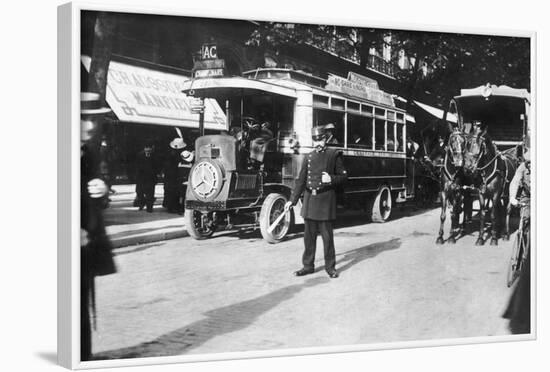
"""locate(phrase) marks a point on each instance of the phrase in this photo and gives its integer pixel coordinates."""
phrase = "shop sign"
(142, 95)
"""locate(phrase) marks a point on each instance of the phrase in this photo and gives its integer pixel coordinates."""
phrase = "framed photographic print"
(217, 153)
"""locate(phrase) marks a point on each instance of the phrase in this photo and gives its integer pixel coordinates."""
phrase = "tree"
(101, 53)
(441, 63)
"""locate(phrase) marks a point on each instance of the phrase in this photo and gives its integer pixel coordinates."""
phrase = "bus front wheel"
(199, 226)
(272, 228)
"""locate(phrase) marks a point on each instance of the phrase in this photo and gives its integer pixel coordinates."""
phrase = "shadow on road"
(347, 219)
(217, 322)
(346, 260)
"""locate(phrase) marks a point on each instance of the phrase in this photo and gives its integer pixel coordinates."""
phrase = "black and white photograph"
(256, 187)
(243, 184)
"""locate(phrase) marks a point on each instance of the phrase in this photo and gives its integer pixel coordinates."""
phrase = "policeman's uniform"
(319, 203)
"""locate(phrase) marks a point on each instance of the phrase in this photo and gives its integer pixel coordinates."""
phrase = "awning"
(141, 95)
(438, 113)
(230, 86)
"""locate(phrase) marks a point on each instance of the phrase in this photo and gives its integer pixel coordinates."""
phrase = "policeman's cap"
(318, 133)
(330, 126)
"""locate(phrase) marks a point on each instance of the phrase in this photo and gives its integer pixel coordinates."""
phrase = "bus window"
(379, 134)
(324, 117)
(359, 132)
(266, 116)
(391, 143)
(400, 141)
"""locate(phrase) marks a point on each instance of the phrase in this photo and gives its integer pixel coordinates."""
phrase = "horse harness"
(494, 161)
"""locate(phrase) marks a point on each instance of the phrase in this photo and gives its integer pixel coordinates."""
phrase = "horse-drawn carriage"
(482, 155)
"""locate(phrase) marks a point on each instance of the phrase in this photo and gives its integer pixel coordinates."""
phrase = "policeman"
(321, 172)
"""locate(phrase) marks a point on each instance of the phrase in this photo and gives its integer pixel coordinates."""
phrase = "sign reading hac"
(209, 51)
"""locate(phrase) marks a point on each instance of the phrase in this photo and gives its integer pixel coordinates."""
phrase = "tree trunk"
(411, 86)
(101, 53)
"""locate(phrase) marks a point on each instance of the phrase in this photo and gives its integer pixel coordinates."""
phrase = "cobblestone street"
(235, 292)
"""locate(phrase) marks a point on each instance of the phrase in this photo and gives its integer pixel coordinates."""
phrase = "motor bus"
(238, 180)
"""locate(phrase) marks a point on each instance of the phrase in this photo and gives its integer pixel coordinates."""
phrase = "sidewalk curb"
(149, 238)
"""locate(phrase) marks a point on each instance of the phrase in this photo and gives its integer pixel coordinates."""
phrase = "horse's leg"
(442, 217)
(467, 210)
(455, 215)
(480, 240)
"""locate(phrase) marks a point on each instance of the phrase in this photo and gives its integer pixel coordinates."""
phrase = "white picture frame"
(68, 235)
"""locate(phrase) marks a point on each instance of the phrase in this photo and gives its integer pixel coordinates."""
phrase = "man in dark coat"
(173, 178)
(322, 171)
(146, 177)
(95, 247)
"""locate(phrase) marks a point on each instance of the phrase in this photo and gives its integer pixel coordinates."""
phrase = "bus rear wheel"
(199, 225)
(381, 205)
(272, 208)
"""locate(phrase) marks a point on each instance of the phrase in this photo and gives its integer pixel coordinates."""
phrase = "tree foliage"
(440, 64)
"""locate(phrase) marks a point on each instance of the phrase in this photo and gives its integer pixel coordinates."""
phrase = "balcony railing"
(380, 64)
(374, 62)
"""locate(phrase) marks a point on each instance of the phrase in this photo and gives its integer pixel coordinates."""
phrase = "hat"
(187, 156)
(90, 104)
(318, 133)
(330, 126)
(177, 143)
(527, 155)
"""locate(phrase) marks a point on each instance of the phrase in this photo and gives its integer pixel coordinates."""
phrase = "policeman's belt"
(318, 191)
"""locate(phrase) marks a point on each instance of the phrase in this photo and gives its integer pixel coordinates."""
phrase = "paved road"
(236, 292)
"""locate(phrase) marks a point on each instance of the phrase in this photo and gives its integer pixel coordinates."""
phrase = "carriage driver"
(322, 170)
(522, 183)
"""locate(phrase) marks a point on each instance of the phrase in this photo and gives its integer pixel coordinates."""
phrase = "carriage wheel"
(381, 205)
(199, 226)
(272, 208)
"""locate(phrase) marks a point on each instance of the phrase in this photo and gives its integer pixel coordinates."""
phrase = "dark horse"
(491, 172)
(452, 180)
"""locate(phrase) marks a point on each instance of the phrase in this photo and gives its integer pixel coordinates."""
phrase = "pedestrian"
(321, 173)
(146, 177)
(411, 148)
(184, 166)
(96, 257)
(173, 177)
(518, 311)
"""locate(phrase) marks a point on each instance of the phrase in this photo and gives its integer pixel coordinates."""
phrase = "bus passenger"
(356, 140)
(331, 139)
(319, 177)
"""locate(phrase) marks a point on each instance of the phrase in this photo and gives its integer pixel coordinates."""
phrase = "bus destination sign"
(358, 87)
(208, 64)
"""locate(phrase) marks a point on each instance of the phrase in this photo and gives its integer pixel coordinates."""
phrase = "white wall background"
(28, 181)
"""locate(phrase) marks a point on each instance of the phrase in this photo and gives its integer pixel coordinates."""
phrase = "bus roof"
(278, 81)
(224, 86)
